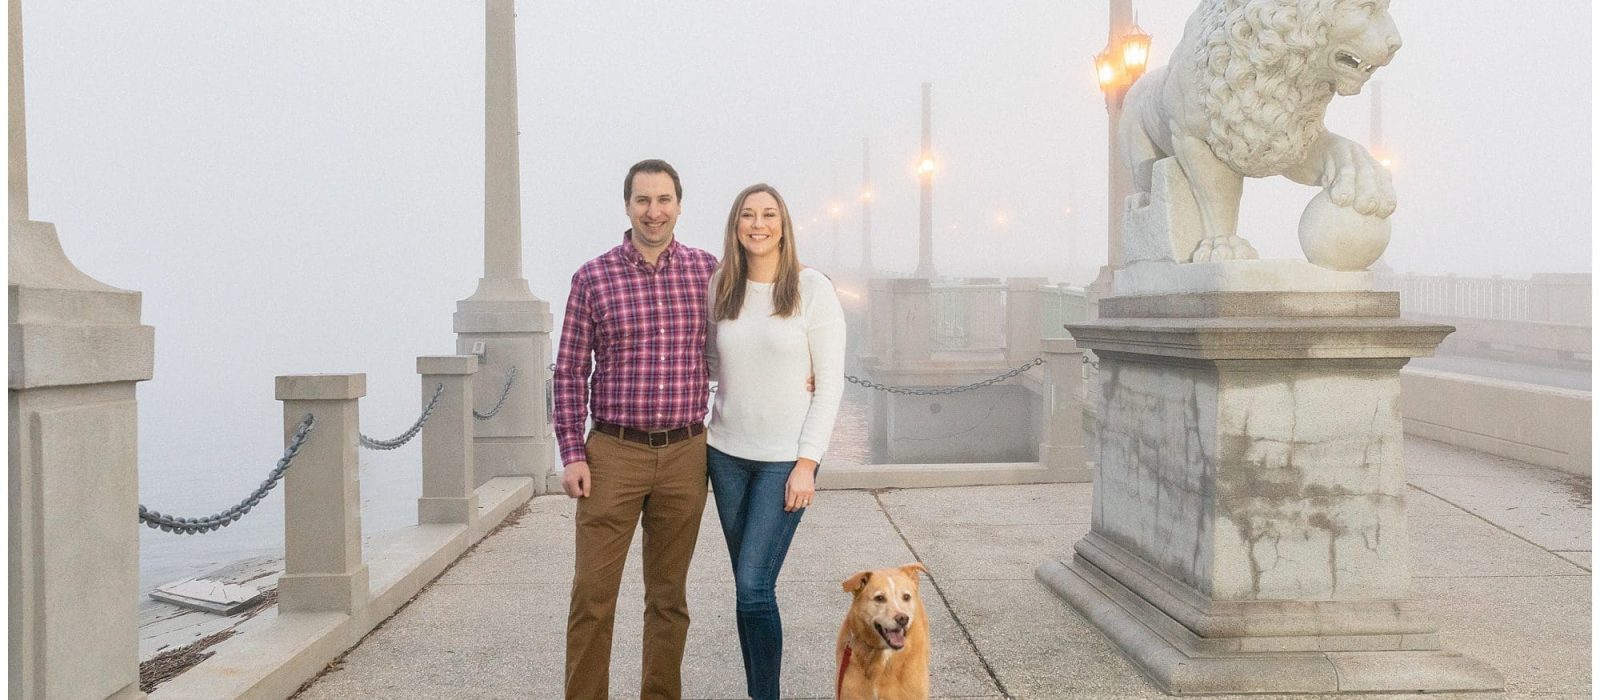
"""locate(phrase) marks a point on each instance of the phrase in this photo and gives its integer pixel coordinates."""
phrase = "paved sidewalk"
(1500, 550)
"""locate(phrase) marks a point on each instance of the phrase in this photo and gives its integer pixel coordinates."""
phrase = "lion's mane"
(1256, 67)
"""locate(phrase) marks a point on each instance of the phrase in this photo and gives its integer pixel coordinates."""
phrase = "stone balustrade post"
(448, 486)
(1062, 445)
(910, 322)
(323, 571)
(1024, 309)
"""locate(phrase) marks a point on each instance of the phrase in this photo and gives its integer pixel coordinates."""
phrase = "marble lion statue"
(1245, 93)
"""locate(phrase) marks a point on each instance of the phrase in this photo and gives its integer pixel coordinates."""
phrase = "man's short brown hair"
(651, 165)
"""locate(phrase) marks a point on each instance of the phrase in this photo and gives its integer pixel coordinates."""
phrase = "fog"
(297, 186)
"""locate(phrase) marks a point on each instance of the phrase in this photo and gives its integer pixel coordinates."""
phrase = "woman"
(773, 323)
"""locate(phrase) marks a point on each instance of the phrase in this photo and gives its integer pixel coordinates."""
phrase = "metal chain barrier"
(511, 378)
(190, 526)
(1035, 362)
(411, 432)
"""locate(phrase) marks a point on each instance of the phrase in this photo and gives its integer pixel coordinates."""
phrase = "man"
(639, 311)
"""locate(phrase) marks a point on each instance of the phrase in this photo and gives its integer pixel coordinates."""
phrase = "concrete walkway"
(1500, 552)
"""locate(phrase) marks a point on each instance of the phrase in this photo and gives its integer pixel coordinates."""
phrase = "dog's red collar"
(838, 691)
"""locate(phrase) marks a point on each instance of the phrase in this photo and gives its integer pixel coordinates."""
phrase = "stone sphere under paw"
(1341, 238)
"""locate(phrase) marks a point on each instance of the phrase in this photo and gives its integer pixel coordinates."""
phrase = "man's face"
(653, 209)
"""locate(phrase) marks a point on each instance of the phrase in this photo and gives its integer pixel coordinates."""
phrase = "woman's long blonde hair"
(734, 270)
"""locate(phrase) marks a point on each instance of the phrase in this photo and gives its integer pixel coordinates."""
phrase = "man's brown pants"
(668, 486)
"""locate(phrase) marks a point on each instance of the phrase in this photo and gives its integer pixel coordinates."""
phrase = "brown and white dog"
(883, 643)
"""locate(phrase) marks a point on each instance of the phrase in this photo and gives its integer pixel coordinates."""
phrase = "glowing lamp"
(1135, 52)
(1105, 67)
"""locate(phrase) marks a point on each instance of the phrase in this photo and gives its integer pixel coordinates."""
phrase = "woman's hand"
(802, 486)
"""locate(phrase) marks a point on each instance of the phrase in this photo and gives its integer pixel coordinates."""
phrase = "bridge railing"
(1550, 298)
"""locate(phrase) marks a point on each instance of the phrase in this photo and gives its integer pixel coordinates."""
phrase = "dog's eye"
(906, 597)
(879, 597)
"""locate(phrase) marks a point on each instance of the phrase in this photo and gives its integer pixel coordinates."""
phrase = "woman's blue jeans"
(750, 498)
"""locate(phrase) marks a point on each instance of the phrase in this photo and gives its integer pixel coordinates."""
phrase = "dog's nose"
(902, 619)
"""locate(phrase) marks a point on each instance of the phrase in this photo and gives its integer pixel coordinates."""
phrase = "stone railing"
(330, 594)
(913, 318)
(968, 316)
(1550, 298)
(1542, 320)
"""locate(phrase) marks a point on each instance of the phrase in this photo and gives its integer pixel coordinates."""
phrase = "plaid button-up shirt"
(645, 328)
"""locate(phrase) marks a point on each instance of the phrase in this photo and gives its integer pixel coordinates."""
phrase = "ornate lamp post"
(1124, 59)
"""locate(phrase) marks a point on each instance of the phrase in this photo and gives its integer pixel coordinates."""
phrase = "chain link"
(411, 432)
(911, 391)
(511, 377)
(189, 526)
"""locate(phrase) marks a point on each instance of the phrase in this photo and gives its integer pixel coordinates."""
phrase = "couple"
(659, 319)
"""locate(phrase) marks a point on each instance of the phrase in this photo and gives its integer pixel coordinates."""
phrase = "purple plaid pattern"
(645, 328)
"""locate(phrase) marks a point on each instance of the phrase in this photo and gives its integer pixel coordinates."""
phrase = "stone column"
(1249, 530)
(77, 350)
(866, 210)
(1062, 445)
(511, 324)
(1118, 177)
(925, 173)
(323, 571)
(1024, 316)
(448, 487)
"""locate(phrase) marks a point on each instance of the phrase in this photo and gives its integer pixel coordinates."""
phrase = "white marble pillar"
(448, 487)
(503, 315)
(77, 350)
(323, 569)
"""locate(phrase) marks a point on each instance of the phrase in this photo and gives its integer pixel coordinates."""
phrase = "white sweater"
(760, 362)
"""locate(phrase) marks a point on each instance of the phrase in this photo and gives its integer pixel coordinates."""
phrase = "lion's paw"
(1224, 248)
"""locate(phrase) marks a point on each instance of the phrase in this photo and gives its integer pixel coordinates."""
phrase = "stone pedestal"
(448, 487)
(1061, 446)
(322, 566)
(76, 351)
(1249, 527)
(520, 439)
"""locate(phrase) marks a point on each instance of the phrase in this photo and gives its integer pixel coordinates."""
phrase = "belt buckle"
(664, 440)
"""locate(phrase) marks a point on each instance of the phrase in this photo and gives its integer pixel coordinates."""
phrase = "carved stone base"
(1249, 530)
(1182, 663)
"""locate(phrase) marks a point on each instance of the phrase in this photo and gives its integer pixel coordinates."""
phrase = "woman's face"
(760, 225)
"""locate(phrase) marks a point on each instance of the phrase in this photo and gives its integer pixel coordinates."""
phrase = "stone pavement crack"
(1496, 525)
(877, 495)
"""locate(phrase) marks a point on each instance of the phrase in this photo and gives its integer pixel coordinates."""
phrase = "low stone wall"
(1536, 424)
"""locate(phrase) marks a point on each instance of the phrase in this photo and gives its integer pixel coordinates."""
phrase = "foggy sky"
(297, 186)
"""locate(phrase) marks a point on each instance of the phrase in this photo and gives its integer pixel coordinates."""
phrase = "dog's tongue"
(896, 638)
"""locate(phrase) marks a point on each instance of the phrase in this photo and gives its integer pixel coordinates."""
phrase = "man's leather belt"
(655, 438)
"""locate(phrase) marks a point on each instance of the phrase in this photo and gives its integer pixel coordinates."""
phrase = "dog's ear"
(911, 569)
(856, 581)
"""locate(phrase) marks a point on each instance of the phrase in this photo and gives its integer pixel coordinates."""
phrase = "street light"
(1135, 51)
(926, 166)
(1121, 63)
